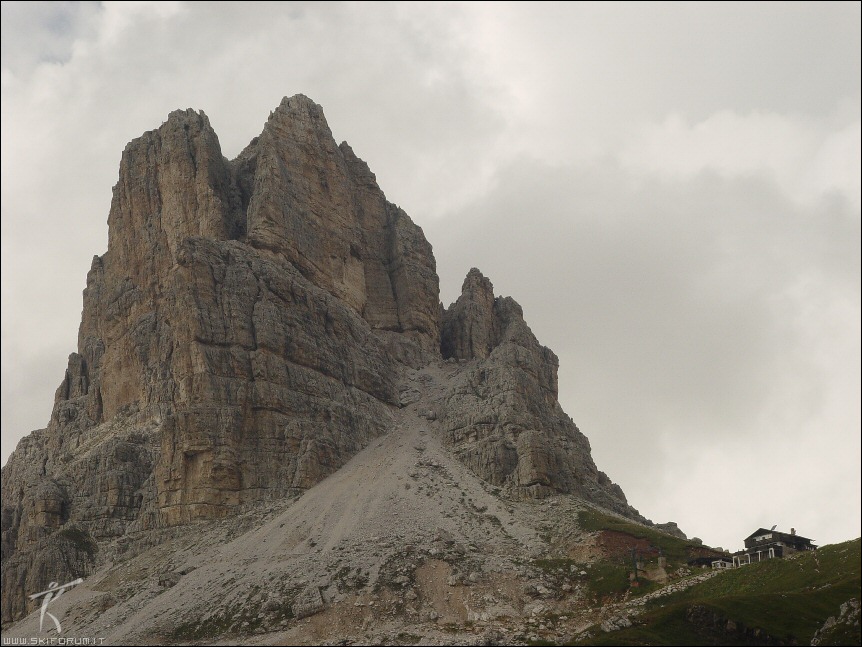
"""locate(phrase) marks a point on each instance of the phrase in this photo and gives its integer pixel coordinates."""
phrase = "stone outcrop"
(838, 628)
(502, 418)
(671, 528)
(471, 327)
(319, 206)
(242, 337)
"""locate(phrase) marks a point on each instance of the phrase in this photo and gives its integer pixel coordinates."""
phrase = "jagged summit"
(476, 323)
(299, 103)
(247, 332)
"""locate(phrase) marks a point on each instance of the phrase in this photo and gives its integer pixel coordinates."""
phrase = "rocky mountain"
(263, 350)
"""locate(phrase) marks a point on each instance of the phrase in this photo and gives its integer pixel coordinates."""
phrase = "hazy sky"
(671, 191)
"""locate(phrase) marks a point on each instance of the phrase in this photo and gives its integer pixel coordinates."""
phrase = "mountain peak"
(476, 280)
(297, 102)
(189, 115)
(299, 108)
(248, 331)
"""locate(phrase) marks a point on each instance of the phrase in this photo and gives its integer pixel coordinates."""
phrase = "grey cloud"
(42, 32)
(686, 313)
(672, 308)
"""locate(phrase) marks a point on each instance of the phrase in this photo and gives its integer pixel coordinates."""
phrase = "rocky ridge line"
(243, 337)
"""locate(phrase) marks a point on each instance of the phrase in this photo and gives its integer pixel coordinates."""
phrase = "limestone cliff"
(242, 337)
(502, 418)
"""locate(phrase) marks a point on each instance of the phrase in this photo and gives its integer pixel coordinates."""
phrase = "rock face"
(503, 418)
(242, 338)
(671, 528)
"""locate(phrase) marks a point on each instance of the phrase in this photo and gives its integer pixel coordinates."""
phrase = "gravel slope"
(402, 544)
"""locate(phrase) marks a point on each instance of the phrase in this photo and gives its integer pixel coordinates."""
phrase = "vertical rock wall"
(242, 337)
(502, 417)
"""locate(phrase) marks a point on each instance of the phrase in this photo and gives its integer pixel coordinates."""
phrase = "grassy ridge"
(675, 549)
(828, 566)
(780, 600)
(610, 577)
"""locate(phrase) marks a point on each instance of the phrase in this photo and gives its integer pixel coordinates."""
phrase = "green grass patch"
(777, 601)
(665, 627)
(675, 549)
(606, 579)
(828, 566)
(610, 576)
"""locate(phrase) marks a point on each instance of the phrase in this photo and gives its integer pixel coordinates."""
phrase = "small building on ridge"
(767, 544)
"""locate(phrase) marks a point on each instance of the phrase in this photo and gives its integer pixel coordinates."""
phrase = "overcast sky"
(671, 191)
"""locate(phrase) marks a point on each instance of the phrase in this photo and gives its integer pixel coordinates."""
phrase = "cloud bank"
(671, 191)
